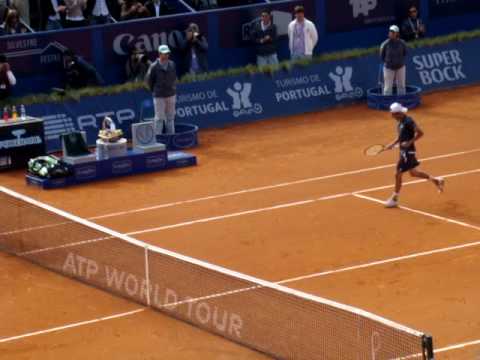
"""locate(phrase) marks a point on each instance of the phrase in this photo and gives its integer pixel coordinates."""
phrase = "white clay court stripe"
(73, 325)
(287, 205)
(458, 346)
(275, 186)
(424, 213)
(381, 262)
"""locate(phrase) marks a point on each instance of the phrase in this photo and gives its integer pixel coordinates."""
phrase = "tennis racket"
(374, 150)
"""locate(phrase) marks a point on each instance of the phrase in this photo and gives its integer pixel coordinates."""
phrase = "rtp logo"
(242, 104)
(362, 7)
(342, 78)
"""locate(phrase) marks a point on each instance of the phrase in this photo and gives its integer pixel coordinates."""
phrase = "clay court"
(290, 200)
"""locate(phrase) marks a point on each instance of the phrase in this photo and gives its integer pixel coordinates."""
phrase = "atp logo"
(242, 105)
(342, 78)
(362, 7)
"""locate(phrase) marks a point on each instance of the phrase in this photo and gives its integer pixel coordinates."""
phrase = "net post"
(428, 347)
(147, 276)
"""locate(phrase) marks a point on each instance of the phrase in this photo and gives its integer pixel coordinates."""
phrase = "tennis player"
(408, 134)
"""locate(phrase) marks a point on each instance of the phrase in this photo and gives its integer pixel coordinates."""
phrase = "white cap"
(164, 49)
(397, 108)
(394, 28)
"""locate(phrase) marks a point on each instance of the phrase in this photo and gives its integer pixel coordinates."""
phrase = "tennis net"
(270, 318)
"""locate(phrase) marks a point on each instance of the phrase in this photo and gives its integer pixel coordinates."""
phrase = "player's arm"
(392, 144)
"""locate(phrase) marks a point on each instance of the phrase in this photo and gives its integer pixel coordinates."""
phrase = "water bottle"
(23, 112)
(14, 113)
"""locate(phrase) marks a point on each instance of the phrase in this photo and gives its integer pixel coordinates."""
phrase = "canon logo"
(146, 42)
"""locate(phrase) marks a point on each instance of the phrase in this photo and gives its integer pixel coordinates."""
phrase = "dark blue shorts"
(407, 161)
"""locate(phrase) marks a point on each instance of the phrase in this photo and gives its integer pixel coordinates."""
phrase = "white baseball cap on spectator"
(398, 108)
(394, 28)
(164, 49)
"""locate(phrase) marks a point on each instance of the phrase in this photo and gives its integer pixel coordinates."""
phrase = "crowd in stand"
(193, 46)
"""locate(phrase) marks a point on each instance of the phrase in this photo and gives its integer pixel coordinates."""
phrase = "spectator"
(12, 24)
(162, 82)
(75, 17)
(133, 9)
(204, 4)
(413, 27)
(3, 12)
(264, 35)
(195, 46)
(393, 52)
(102, 11)
(157, 8)
(78, 73)
(302, 35)
(7, 79)
(137, 65)
(52, 13)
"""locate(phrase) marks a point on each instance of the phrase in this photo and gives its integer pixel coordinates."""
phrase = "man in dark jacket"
(157, 8)
(78, 73)
(162, 82)
(393, 52)
(195, 47)
(102, 11)
(413, 27)
(53, 12)
(264, 35)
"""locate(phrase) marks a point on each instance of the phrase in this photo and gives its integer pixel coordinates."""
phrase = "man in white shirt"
(302, 35)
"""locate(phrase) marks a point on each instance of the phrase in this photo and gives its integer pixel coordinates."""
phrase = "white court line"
(424, 213)
(457, 346)
(381, 262)
(72, 325)
(286, 205)
(274, 186)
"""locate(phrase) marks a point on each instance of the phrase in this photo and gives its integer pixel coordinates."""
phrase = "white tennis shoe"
(392, 202)
(440, 183)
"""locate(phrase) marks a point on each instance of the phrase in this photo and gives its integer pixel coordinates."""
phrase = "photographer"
(7, 79)
(195, 47)
(78, 73)
(137, 66)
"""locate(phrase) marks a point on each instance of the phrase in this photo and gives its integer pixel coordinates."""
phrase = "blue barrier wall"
(246, 98)
(36, 58)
